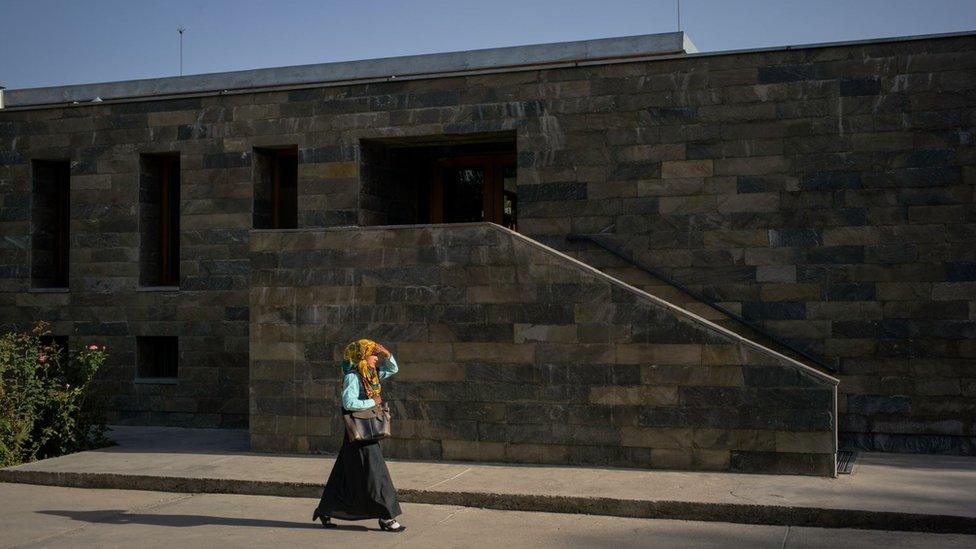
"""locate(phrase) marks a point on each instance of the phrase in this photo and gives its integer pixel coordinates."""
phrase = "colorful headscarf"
(356, 355)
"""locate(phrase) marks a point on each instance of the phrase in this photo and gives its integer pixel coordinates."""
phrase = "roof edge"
(379, 68)
(192, 86)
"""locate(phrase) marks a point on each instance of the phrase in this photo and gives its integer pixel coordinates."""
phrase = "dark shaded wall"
(510, 351)
(389, 189)
(826, 192)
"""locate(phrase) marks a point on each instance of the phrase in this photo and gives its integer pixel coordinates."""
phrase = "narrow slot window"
(50, 223)
(159, 220)
(276, 188)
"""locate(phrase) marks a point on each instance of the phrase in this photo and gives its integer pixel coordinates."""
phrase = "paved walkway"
(886, 491)
(52, 516)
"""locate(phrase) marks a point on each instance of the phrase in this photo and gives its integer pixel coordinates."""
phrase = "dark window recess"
(157, 357)
(159, 220)
(50, 222)
(276, 188)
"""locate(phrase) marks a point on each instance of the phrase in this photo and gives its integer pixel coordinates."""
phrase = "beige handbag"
(370, 424)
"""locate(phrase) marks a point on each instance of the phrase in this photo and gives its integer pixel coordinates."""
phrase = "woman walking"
(359, 486)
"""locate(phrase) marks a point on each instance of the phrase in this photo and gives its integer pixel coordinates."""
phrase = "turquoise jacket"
(353, 394)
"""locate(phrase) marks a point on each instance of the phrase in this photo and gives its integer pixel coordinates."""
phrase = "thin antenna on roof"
(678, 2)
(181, 30)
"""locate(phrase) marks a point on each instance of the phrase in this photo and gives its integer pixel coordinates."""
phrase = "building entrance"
(440, 180)
(474, 188)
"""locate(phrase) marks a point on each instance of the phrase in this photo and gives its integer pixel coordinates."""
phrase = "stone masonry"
(825, 192)
(510, 351)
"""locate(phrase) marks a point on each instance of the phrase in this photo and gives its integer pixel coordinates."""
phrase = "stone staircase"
(513, 351)
(606, 255)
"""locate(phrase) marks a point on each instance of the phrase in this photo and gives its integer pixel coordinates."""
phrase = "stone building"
(615, 252)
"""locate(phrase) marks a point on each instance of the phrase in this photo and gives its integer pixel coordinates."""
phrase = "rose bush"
(48, 405)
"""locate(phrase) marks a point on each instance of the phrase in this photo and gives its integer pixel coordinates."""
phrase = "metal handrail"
(600, 240)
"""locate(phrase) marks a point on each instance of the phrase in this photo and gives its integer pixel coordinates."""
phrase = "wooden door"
(474, 188)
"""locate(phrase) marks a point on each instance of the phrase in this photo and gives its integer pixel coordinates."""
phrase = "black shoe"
(326, 521)
(388, 526)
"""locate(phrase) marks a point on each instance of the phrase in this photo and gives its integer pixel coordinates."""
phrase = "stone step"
(885, 492)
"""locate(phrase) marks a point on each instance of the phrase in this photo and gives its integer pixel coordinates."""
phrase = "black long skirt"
(359, 486)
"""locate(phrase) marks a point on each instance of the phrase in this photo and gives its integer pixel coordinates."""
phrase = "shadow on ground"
(119, 516)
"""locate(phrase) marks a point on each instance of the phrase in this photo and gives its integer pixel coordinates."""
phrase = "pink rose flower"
(42, 358)
(93, 347)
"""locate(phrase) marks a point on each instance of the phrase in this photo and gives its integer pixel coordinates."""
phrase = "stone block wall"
(105, 302)
(826, 192)
(511, 351)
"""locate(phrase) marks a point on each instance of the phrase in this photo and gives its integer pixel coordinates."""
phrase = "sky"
(57, 42)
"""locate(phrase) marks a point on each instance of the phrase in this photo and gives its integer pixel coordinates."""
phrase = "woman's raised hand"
(381, 351)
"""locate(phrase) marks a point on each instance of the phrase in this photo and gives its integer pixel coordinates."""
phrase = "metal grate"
(845, 461)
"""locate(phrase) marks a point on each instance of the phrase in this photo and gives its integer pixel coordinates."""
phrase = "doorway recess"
(440, 179)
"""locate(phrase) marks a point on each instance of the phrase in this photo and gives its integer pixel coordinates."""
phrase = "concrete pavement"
(886, 491)
(44, 516)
